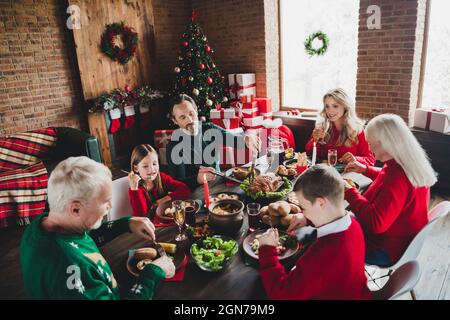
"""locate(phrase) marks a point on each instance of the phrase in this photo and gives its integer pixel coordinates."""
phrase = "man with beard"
(58, 252)
(193, 152)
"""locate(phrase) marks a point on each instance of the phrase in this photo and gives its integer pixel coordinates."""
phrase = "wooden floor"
(434, 260)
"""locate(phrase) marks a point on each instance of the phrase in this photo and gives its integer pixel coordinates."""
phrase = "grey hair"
(76, 178)
(398, 141)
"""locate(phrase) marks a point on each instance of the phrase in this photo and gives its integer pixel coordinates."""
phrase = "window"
(436, 85)
(306, 79)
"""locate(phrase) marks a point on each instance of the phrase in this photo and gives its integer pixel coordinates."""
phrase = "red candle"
(205, 185)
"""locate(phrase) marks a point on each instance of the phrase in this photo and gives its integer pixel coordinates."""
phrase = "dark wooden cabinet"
(437, 146)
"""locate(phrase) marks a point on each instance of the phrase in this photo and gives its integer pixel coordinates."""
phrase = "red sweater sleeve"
(372, 172)
(138, 201)
(178, 190)
(378, 214)
(309, 146)
(365, 155)
(300, 283)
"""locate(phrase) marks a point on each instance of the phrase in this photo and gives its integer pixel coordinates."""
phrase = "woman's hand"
(134, 179)
(355, 166)
(347, 158)
(318, 134)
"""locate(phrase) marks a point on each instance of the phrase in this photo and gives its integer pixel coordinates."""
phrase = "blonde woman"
(395, 206)
(341, 130)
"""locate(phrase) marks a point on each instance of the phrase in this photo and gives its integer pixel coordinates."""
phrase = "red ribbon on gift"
(236, 87)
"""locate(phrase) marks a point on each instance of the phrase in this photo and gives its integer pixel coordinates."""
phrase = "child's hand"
(269, 238)
(207, 172)
(134, 179)
(298, 221)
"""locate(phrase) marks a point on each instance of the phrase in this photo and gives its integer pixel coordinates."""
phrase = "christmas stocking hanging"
(115, 120)
(145, 116)
(129, 116)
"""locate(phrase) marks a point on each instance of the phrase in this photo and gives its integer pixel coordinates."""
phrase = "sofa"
(27, 159)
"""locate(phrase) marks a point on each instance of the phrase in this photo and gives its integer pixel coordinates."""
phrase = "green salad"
(286, 188)
(212, 252)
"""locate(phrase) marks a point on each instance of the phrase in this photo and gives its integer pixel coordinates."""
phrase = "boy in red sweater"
(333, 266)
(148, 186)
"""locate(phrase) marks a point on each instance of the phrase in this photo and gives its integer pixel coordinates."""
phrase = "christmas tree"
(196, 73)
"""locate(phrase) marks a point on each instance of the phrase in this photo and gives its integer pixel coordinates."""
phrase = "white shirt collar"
(336, 226)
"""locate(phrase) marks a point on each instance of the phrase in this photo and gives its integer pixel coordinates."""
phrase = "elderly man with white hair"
(58, 252)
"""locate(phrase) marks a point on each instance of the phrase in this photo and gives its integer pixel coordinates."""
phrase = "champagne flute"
(179, 217)
(332, 157)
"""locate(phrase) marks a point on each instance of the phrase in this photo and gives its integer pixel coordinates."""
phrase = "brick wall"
(39, 80)
(389, 58)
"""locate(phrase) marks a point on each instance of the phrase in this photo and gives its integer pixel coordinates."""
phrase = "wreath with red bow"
(129, 39)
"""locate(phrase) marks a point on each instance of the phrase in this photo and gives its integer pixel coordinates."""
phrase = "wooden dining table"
(238, 281)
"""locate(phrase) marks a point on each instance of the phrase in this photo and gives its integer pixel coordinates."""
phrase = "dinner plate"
(178, 258)
(247, 245)
(229, 172)
(162, 208)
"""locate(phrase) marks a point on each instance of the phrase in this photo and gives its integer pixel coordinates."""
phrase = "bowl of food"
(287, 172)
(267, 188)
(214, 253)
(289, 153)
(226, 215)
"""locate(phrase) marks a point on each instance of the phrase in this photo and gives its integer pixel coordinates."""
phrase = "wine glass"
(332, 157)
(179, 217)
(320, 124)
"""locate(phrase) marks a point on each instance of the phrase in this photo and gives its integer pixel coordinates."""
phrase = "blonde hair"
(139, 153)
(398, 141)
(76, 178)
(352, 124)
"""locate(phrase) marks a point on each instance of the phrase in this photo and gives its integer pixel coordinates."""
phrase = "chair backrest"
(120, 201)
(401, 281)
(441, 210)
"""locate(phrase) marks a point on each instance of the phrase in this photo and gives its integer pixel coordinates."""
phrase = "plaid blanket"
(26, 148)
(23, 194)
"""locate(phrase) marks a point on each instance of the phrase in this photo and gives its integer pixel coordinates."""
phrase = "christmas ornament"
(212, 96)
(185, 43)
(204, 38)
(195, 92)
(213, 65)
(209, 103)
(201, 66)
(319, 51)
(189, 54)
(191, 78)
(208, 49)
(177, 70)
(180, 58)
(225, 99)
(129, 39)
(209, 80)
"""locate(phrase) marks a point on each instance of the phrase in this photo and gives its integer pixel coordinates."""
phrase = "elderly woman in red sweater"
(395, 206)
(333, 266)
(340, 129)
(148, 186)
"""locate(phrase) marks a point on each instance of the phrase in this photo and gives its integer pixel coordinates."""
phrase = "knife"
(220, 174)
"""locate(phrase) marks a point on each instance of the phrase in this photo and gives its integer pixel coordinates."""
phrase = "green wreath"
(308, 43)
(129, 39)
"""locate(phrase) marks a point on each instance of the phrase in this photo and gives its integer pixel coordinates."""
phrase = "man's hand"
(347, 158)
(166, 264)
(133, 179)
(269, 238)
(298, 221)
(142, 227)
(253, 142)
(207, 172)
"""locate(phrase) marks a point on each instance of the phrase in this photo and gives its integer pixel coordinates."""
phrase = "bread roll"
(264, 211)
(284, 208)
(145, 253)
(285, 221)
(294, 208)
(273, 209)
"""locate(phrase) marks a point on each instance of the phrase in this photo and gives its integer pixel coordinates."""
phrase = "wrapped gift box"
(232, 123)
(222, 113)
(268, 115)
(250, 105)
(255, 122)
(434, 119)
(249, 113)
(241, 84)
(162, 138)
(264, 104)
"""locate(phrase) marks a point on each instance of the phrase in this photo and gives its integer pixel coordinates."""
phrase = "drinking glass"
(253, 216)
(275, 152)
(179, 217)
(332, 157)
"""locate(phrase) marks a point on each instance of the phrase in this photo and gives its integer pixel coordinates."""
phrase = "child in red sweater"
(333, 266)
(395, 206)
(340, 129)
(148, 186)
